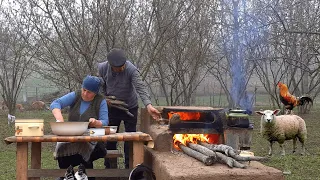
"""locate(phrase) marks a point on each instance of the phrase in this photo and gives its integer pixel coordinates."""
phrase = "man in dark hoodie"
(123, 80)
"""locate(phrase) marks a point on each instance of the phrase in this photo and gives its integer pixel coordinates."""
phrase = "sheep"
(39, 105)
(282, 128)
(20, 107)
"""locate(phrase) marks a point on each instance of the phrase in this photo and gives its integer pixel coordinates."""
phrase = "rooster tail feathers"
(305, 100)
(141, 172)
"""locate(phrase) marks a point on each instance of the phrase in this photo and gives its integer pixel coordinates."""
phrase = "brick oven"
(168, 163)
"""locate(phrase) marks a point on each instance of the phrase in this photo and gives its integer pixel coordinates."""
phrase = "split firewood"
(117, 102)
(229, 161)
(229, 151)
(197, 155)
(203, 150)
(216, 156)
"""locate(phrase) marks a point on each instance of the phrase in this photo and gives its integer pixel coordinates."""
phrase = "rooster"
(291, 101)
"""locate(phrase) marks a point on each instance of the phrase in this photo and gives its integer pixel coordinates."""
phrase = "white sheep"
(282, 128)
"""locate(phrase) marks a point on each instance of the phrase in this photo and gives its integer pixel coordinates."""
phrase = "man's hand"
(153, 112)
(109, 102)
(95, 123)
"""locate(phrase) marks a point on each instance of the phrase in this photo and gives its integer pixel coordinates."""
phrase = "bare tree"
(179, 46)
(16, 54)
(69, 34)
(289, 52)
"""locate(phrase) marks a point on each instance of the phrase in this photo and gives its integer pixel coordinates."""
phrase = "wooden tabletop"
(127, 136)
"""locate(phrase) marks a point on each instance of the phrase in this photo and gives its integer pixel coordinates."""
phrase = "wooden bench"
(113, 154)
(110, 154)
(32, 173)
(32, 170)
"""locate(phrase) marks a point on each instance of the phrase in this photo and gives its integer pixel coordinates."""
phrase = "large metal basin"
(69, 128)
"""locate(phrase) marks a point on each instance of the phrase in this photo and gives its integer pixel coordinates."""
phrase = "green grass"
(301, 167)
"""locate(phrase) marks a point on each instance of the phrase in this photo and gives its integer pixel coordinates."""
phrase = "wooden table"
(137, 139)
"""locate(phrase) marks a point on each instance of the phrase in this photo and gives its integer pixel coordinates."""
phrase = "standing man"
(122, 80)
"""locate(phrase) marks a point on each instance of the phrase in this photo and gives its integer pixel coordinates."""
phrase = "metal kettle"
(237, 118)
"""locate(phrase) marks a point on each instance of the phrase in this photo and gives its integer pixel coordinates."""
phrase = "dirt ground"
(179, 166)
(169, 164)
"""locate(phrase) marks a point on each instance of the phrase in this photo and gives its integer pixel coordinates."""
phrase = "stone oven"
(168, 163)
(214, 122)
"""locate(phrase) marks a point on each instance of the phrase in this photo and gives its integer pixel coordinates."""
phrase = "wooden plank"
(90, 172)
(22, 161)
(35, 157)
(126, 136)
(113, 154)
(130, 155)
(138, 153)
(145, 120)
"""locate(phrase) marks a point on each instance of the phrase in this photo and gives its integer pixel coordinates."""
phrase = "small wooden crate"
(29, 127)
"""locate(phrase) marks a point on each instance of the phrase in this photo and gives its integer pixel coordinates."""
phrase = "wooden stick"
(195, 154)
(229, 151)
(203, 150)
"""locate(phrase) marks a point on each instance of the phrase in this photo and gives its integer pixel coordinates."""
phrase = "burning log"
(229, 151)
(175, 119)
(197, 155)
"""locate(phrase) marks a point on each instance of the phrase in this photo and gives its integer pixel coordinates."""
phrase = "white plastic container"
(110, 129)
(29, 127)
(96, 131)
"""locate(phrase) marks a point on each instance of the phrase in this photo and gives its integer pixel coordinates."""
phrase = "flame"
(187, 138)
(186, 116)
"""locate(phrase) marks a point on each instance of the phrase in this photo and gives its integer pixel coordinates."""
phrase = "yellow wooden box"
(29, 127)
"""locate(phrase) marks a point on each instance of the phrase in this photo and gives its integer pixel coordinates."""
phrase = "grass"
(301, 167)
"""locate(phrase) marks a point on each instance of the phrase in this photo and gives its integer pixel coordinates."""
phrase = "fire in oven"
(194, 120)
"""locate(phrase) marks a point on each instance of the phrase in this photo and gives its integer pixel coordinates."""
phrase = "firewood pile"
(212, 153)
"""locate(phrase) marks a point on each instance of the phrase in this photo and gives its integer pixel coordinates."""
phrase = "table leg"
(35, 157)
(137, 154)
(22, 161)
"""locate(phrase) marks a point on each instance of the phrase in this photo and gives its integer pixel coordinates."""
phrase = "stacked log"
(212, 153)
(207, 160)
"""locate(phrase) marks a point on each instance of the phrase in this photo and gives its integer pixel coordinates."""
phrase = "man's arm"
(144, 95)
(102, 73)
(141, 88)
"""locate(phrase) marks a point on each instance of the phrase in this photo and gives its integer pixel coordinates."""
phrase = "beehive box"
(29, 127)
